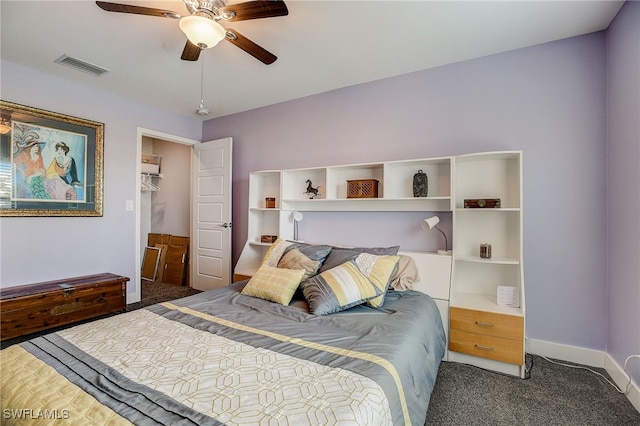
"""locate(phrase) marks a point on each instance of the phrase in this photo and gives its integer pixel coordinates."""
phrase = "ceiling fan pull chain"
(202, 80)
(201, 109)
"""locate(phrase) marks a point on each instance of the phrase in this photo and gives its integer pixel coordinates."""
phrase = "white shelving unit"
(264, 220)
(477, 322)
(474, 281)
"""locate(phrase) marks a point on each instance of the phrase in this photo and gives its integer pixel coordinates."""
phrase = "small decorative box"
(270, 203)
(268, 238)
(482, 203)
(362, 188)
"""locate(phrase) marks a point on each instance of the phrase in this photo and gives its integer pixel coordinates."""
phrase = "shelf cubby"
(295, 183)
(338, 176)
(398, 178)
(489, 175)
(262, 185)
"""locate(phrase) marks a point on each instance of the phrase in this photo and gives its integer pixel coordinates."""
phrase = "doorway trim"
(142, 132)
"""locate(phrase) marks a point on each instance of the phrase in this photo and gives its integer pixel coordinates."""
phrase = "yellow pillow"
(274, 284)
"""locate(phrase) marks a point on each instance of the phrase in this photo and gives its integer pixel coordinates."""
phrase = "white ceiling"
(320, 45)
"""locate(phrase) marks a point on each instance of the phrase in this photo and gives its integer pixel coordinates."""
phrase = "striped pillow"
(274, 284)
(337, 289)
(379, 270)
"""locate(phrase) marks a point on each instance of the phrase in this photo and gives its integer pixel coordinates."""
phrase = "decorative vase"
(420, 184)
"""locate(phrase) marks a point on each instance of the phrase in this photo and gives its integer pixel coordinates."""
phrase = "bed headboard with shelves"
(463, 280)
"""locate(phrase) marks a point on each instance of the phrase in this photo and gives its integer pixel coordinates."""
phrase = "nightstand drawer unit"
(488, 335)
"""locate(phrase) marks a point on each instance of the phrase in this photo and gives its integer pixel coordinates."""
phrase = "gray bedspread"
(220, 357)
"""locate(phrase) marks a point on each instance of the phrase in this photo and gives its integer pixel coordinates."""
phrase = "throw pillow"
(337, 289)
(274, 284)
(379, 270)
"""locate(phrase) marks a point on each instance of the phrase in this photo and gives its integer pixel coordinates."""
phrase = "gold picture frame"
(51, 164)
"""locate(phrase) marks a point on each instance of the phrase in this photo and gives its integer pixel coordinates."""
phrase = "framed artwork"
(50, 164)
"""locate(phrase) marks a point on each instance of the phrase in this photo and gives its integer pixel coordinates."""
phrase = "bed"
(228, 357)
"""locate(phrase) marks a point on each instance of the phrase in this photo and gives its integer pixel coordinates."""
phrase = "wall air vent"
(81, 65)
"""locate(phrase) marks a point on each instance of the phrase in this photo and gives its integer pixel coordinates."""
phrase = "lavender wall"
(40, 249)
(623, 189)
(547, 100)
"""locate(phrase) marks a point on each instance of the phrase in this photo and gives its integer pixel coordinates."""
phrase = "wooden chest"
(30, 308)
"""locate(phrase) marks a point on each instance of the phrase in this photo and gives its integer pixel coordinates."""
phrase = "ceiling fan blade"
(138, 10)
(250, 47)
(254, 10)
(191, 52)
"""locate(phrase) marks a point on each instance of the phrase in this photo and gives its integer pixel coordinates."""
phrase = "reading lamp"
(297, 217)
(431, 222)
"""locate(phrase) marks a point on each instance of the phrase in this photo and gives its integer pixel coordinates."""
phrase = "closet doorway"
(164, 209)
(163, 196)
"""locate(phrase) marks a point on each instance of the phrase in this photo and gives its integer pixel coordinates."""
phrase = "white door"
(211, 214)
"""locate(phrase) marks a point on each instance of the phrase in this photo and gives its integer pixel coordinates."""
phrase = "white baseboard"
(569, 353)
(590, 358)
(621, 379)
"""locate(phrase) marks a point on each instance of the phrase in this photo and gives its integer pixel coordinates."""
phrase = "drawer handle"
(484, 324)
(486, 348)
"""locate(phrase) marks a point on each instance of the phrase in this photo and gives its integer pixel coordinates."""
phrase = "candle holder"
(485, 251)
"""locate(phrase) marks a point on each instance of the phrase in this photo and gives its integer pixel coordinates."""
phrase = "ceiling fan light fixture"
(202, 31)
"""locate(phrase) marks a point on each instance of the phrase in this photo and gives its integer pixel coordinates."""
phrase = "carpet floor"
(152, 292)
(552, 395)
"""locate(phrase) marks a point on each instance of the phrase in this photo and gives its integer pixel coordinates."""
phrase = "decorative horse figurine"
(311, 191)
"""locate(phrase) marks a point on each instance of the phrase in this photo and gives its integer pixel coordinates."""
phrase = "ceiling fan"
(202, 26)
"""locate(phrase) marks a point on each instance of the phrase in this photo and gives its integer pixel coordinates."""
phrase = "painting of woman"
(32, 175)
(63, 165)
(31, 167)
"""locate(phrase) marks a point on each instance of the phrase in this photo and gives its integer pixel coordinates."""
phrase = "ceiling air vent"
(81, 65)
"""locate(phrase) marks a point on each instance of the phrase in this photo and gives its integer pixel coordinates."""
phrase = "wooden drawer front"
(492, 324)
(496, 348)
(240, 277)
